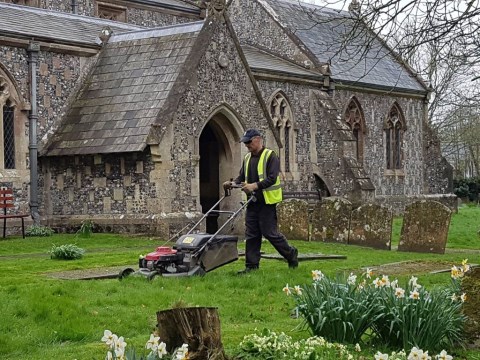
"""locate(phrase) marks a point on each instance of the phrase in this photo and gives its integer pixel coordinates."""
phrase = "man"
(260, 175)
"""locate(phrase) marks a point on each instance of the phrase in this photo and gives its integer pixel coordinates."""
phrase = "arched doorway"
(220, 160)
(321, 187)
(210, 149)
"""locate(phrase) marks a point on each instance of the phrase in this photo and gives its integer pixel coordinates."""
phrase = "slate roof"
(126, 92)
(29, 22)
(323, 31)
(260, 60)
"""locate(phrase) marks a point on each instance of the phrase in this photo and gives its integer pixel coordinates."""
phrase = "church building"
(129, 112)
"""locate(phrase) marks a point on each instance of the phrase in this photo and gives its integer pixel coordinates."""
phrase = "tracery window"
(281, 114)
(111, 12)
(33, 3)
(394, 130)
(11, 147)
(356, 121)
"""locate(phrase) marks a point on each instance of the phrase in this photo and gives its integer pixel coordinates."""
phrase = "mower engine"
(192, 254)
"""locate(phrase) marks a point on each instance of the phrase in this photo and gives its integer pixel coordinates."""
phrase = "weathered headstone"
(293, 219)
(331, 220)
(425, 227)
(371, 225)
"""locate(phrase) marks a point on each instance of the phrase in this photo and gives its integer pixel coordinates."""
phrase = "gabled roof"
(259, 60)
(126, 91)
(28, 22)
(324, 31)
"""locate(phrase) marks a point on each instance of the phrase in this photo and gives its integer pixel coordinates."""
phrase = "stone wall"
(147, 16)
(398, 203)
(376, 108)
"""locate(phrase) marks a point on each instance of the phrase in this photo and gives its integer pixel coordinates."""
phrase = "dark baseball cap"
(249, 135)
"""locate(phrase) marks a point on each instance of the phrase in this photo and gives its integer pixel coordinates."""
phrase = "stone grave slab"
(331, 220)
(371, 225)
(425, 227)
(293, 219)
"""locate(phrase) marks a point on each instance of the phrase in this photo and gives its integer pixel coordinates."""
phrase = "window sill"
(394, 172)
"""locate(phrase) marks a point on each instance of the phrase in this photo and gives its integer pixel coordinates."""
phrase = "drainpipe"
(33, 50)
(74, 7)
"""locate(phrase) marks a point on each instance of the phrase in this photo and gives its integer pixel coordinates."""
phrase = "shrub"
(348, 311)
(418, 318)
(66, 252)
(270, 345)
(336, 309)
(86, 229)
(39, 230)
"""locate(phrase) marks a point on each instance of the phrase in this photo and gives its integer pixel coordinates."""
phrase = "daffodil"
(443, 356)
(415, 354)
(413, 282)
(298, 290)
(161, 350)
(369, 273)
(456, 272)
(380, 356)
(463, 297)
(385, 280)
(453, 297)
(377, 282)
(317, 275)
(182, 352)
(425, 356)
(352, 279)
(357, 347)
(415, 295)
(109, 338)
(152, 343)
(399, 293)
(286, 290)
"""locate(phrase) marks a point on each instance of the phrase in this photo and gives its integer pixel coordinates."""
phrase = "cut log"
(199, 327)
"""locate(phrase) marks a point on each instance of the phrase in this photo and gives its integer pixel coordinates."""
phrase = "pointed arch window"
(356, 121)
(394, 130)
(11, 147)
(281, 114)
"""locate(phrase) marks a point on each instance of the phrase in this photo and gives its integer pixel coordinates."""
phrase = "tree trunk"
(198, 327)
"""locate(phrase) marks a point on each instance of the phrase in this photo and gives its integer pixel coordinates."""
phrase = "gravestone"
(371, 225)
(425, 227)
(293, 219)
(331, 220)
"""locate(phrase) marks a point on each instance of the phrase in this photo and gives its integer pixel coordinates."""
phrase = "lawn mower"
(194, 253)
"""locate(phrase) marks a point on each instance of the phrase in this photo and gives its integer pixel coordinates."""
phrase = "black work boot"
(247, 270)
(293, 262)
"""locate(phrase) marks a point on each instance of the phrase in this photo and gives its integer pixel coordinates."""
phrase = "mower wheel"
(125, 272)
(152, 275)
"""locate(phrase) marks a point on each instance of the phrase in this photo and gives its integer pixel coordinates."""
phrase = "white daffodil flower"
(369, 273)
(109, 338)
(152, 342)
(357, 347)
(415, 354)
(463, 297)
(380, 356)
(286, 290)
(161, 350)
(298, 290)
(317, 275)
(415, 295)
(399, 292)
(352, 279)
(443, 356)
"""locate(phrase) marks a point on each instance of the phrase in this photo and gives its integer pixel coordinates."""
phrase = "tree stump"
(199, 327)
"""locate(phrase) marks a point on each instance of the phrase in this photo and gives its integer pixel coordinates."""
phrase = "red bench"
(7, 202)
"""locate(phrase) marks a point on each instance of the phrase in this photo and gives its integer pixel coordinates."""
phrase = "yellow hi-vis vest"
(273, 194)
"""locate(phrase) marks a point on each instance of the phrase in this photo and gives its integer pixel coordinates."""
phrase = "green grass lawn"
(46, 318)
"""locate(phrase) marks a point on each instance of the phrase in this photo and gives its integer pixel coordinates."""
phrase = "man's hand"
(227, 185)
(249, 188)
